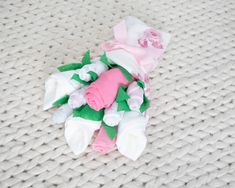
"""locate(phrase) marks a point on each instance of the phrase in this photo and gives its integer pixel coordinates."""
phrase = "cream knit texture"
(191, 134)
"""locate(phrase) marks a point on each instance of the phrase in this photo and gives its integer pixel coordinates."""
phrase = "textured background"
(191, 137)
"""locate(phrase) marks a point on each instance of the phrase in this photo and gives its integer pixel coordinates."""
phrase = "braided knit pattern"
(191, 136)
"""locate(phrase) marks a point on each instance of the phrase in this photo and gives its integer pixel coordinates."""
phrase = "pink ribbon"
(144, 56)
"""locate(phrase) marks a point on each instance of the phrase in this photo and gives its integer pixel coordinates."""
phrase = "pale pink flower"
(151, 37)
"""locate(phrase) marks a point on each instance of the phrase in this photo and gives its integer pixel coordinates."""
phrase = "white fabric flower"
(96, 66)
(111, 116)
(78, 133)
(57, 86)
(131, 139)
(136, 94)
(77, 99)
(62, 113)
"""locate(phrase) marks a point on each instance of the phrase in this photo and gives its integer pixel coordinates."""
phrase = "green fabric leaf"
(141, 84)
(105, 60)
(145, 105)
(74, 66)
(93, 75)
(110, 131)
(62, 100)
(123, 106)
(87, 112)
(127, 75)
(122, 95)
(77, 78)
(86, 58)
(71, 66)
(121, 98)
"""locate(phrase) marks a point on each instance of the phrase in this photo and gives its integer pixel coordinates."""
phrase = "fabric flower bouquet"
(110, 93)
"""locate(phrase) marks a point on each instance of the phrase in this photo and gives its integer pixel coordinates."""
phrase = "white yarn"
(131, 139)
(57, 86)
(61, 114)
(78, 133)
(77, 99)
(111, 116)
(96, 66)
(136, 94)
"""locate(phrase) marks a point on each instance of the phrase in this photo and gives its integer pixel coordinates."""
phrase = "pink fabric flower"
(151, 36)
(102, 93)
(102, 143)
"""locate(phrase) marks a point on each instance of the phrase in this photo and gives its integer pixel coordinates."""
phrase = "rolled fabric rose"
(111, 116)
(136, 94)
(102, 93)
(57, 86)
(131, 139)
(103, 144)
(77, 99)
(97, 66)
(78, 133)
(61, 114)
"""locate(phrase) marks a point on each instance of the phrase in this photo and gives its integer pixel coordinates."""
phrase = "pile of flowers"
(100, 94)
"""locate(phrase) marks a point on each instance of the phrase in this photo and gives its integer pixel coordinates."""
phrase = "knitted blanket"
(191, 136)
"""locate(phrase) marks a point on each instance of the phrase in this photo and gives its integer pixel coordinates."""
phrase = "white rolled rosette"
(62, 113)
(111, 116)
(78, 133)
(77, 99)
(57, 86)
(136, 94)
(131, 139)
(96, 66)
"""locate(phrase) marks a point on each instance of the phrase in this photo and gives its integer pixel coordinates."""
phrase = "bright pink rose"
(102, 93)
(151, 36)
(102, 143)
